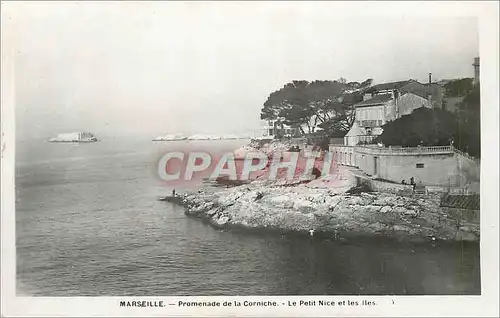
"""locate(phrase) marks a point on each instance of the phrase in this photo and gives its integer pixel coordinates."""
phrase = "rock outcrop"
(328, 213)
(329, 206)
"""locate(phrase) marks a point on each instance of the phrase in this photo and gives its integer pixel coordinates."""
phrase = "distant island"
(171, 137)
(74, 137)
(178, 136)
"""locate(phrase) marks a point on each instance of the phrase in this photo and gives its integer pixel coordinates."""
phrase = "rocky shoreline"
(327, 213)
(330, 207)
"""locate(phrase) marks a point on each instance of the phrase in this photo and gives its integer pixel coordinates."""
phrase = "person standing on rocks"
(412, 182)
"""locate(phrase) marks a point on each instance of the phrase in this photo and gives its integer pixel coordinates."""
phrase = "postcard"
(185, 158)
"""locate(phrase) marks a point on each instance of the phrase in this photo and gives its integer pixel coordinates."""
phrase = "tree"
(341, 114)
(459, 87)
(469, 122)
(324, 104)
(366, 83)
(423, 127)
(438, 127)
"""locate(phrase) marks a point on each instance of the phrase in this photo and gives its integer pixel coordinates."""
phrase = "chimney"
(476, 70)
(430, 78)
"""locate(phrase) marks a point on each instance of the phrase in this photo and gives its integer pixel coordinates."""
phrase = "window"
(420, 165)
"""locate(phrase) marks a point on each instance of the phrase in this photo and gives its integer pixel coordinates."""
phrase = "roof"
(443, 82)
(435, 84)
(375, 100)
(387, 86)
(426, 89)
(470, 202)
(422, 93)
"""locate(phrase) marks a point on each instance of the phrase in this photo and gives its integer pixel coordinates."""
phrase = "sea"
(89, 223)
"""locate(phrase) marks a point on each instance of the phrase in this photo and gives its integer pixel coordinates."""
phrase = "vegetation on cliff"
(423, 127)
(437, 127)
(459, 87)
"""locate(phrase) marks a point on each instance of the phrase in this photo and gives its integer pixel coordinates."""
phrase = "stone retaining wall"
(472, 216)
(382, 186)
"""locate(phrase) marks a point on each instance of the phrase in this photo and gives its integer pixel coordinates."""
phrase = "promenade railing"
(405, 150)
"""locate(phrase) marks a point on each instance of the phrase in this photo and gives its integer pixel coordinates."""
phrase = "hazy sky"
(157, 67)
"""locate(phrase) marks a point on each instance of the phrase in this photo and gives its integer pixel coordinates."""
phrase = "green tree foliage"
(327, 104)
(424, 126)
(469, 121)
(437, 127)
(459, 87)
(341, 115)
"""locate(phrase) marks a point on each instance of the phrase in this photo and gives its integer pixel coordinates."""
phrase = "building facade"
(441, 166)
(276, 129)
(383, 103)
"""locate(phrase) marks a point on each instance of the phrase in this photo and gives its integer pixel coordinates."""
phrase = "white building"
(386, 102)
(275, 129)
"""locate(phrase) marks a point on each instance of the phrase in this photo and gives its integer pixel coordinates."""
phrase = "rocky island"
(74, 137)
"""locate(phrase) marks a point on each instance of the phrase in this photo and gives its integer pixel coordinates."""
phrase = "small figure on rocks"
(336, 235)
(311, 232)
(316, 172)
(259, 196)
(173, 192)
(403, 181)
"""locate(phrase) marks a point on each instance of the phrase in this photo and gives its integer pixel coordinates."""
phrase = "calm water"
(89, 224)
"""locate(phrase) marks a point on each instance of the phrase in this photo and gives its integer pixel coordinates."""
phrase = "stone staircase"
(464, 155)
(460, 201)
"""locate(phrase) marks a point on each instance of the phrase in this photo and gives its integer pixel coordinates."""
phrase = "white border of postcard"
(484, 305)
